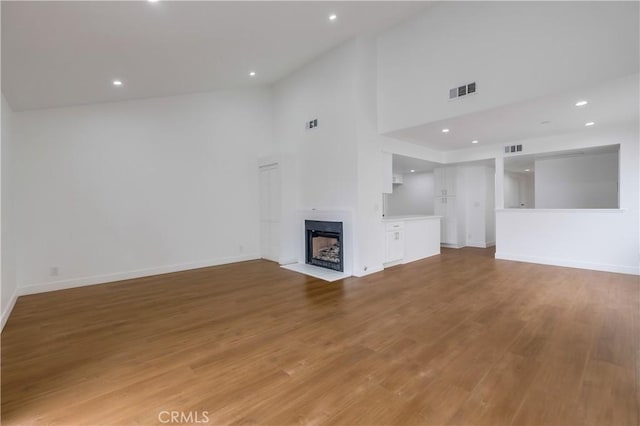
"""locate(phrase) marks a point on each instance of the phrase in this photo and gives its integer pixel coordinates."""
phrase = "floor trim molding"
(620, 269)
(120, 276)
(7, 312)
(370, 270)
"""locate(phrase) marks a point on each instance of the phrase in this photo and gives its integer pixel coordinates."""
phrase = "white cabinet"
(445, 181)
(446, 203)
(394, 241)
(447, 208)
(411, 239)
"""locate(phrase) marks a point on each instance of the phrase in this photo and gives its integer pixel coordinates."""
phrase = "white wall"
(490, 210)
(513, 50)
(318, 166)
(336, 166)
(322, 90)
(594, 239)
(528, 191)
(369, 229)
(414, 196)
(127, 189)
(605, 240)
(519, 190)
(580, 182)
(8, 242)
(511, 190)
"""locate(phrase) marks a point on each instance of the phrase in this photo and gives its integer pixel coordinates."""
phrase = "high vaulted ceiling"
(68, 53)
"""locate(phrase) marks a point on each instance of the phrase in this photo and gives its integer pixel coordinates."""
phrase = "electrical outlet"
(54, 271)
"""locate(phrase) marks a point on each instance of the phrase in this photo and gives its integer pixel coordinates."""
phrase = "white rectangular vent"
(511, 149)
(464, 90)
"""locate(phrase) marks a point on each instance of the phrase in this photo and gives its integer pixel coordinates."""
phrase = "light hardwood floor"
(455, 339)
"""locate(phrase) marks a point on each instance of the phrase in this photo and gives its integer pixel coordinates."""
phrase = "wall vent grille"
(512, 149)
(461, 91)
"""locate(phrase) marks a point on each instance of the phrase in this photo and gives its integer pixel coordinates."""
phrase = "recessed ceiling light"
(474, 141)
(412, 171)
(445, 130)
(527, 170)
(591, 123)
(117, 83)
(152, 1)
(581, 103)
(333, 17)
(252, 73)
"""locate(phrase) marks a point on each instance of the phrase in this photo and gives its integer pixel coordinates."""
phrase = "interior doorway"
(270, 212)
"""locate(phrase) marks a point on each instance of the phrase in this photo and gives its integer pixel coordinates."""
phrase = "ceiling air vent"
(511, 149)
(464, 90)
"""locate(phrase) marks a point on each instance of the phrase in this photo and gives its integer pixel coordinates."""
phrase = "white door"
(270, 212)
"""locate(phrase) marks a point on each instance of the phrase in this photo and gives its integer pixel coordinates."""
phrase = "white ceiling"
(68, 53)
(521, 163)
(403, 165)
(613, 102)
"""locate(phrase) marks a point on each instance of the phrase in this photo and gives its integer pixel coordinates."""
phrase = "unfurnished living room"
(319, 213)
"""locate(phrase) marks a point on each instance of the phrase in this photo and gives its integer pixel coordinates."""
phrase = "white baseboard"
(415, 259)
(480, 244)
(392, 263)
(621, 269)
(102, 279)
(7, 312)
(476, 244)
(370, 270)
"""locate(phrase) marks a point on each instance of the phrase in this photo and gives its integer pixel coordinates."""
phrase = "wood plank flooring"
(458, 339)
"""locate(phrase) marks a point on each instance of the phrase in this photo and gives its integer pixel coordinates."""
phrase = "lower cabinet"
(410, 240)
(394, 242)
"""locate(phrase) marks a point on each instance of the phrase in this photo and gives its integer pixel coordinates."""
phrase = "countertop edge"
(408, 218)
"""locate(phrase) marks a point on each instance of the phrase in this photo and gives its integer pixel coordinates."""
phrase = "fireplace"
(324, 244)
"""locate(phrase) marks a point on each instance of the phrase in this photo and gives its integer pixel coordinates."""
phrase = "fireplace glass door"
(324, 244)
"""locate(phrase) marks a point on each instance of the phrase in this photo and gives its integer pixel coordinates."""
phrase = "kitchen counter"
(410, 237)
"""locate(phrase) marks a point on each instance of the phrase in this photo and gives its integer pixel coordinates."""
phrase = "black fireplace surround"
(324, 244)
